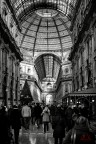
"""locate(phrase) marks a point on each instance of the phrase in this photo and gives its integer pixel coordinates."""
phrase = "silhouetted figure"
(81, 133)
(16, 122)
(46, 118)
(68, 114)
(4, 127)
(26, 114)
(38, 111)
(33, 113)
(58, 129)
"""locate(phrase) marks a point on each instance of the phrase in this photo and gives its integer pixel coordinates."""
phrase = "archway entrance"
(49, 99)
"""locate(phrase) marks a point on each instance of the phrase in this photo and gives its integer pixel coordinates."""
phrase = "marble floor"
(36, 136)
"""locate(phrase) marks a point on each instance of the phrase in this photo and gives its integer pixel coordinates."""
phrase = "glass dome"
(45, 28)
(45, 34)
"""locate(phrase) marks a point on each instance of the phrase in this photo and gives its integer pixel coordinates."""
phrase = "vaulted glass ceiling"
(45, 28)
(24, 7)
(48, 66)
(40, 34)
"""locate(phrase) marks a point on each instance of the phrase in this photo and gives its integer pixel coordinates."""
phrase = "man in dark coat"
(16, 122)
(68, 114)
(58, 129)
(38, 111)
(4, 127)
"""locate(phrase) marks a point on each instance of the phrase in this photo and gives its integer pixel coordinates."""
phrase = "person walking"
(33, 113)
(38, 111)
(26, 114)
(68, 115)
(16, 122)
(58, 129)
(46, 118)
(4, 127)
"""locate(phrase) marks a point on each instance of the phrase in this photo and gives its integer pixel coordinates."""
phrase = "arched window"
(66, 87)
(4, 13)
(28, 70)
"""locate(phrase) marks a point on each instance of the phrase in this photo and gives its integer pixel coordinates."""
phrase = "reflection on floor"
(36, 136)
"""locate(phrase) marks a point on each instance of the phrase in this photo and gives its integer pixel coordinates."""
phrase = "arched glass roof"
(45, 28)
(48, 66)
(23, 7)
(40, 34)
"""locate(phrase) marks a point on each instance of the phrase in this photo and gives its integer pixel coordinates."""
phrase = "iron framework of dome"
(45, 28)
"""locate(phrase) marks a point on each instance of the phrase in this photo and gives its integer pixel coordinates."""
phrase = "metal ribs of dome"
(47, 65)
(41, 34)
(44, 34)
(24, 7)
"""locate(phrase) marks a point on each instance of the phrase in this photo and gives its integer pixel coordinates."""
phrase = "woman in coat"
(80, 133)
(46, 118)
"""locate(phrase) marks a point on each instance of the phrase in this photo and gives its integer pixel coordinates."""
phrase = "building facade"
(64, 82)
(28, 72)
(83, 52)
(10, 56)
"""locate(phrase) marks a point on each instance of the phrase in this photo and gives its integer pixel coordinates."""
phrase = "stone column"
(18, 81)
(13, 78)
(1, 47)
(86, 67)
(7, 74)
(9, 79)
(94, 56)
(14, 82)
(86, 76)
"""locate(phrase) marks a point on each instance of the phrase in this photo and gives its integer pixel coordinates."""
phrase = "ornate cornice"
(75, 14)
(13, 14)
(85, 26)
(8, 39)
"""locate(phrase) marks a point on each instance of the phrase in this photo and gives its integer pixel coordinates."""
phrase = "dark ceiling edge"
(48, 54)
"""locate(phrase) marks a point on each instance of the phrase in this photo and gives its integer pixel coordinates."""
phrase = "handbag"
(73, 136)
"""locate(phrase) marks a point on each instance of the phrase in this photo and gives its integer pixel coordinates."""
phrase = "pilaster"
(1, 47)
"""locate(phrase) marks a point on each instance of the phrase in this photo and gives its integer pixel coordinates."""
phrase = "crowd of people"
(70, 124)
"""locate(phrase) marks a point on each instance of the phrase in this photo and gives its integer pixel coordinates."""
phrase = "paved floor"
(36, 136)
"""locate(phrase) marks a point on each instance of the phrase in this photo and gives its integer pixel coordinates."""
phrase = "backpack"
(83, 138)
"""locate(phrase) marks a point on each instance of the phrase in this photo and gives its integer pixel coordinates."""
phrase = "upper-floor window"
(66, 87)
(21, 69)
(4, 14)
(29, 77)
(28, 70)
(66, 70)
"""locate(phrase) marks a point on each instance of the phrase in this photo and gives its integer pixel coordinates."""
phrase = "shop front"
(85, 98)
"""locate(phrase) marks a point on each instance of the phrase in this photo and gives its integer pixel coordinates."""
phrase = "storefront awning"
(86, 92)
